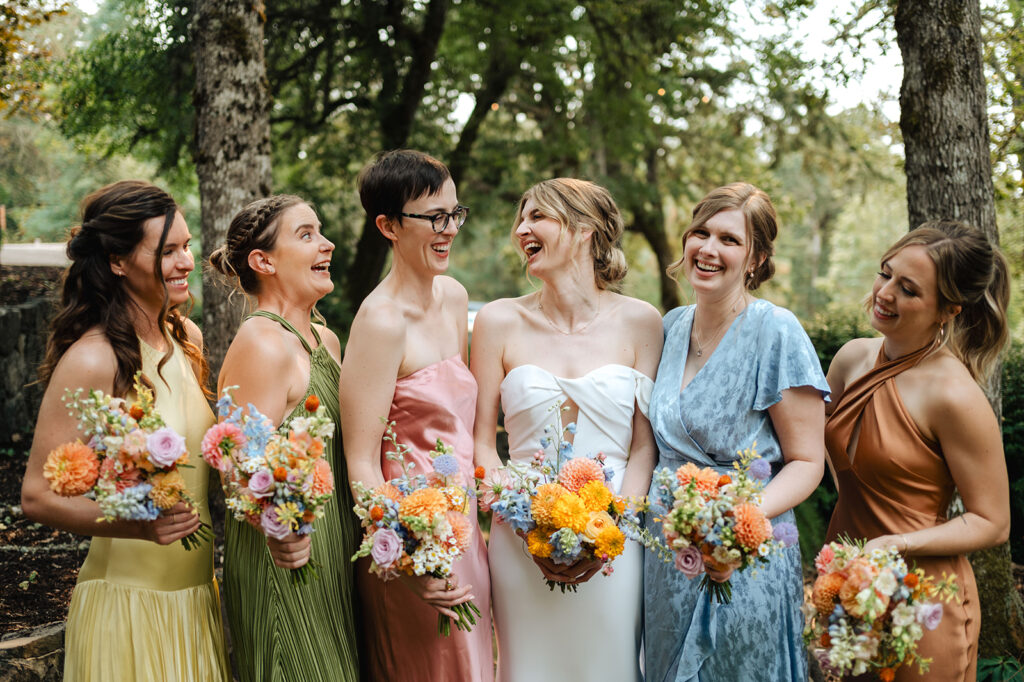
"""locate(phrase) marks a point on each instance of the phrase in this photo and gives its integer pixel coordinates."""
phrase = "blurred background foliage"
(659, 100)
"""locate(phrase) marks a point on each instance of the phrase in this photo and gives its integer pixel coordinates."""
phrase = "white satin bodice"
(606, 398)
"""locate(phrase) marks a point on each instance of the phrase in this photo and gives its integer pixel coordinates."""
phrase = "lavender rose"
(929, 615)
(272, 526)
(261, 483)
(165, 447)
(387, 547)
(689, 561)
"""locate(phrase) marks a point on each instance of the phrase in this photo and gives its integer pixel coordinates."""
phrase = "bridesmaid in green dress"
(278, 358)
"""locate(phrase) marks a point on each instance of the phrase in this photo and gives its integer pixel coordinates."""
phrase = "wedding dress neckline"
(585, 375)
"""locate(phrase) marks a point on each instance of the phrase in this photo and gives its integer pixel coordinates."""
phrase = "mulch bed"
(39, 565)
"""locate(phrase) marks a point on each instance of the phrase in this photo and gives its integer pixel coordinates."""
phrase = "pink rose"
(387, 548)
(823, 561)
(929, 615)
(689, 561)
(134, 445)
(272, 526)
(165, 447)
(261, 483)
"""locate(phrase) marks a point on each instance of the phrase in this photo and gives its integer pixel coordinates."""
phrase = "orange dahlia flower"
(461, 529)
(577, 472)
(825, 591)
(544, 501)
(752, 528)
(71, 469)
(424, 503)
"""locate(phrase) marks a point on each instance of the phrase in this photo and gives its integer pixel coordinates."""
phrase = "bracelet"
(906, 544)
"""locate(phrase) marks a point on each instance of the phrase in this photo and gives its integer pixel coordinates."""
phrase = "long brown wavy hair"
(92, 296)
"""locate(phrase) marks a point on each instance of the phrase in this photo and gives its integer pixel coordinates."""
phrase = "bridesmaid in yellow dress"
(910, 424)
(406, 360)
(144, 607)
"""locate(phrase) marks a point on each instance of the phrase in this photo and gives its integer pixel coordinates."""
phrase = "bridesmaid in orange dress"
(406, 359)
(910, 424)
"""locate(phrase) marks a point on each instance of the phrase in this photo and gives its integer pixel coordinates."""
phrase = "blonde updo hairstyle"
(579, 205)
(254, 227)
(972, 273)
(761, 221)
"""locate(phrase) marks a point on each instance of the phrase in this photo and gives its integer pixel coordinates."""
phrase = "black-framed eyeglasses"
(439, 221)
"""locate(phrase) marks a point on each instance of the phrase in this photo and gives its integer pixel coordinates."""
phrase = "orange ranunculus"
(312, 403)
(136, 413)
(911, 580)
(280, 474)
(479, 473)
(724, 480)
(376, 513)
(887, 674)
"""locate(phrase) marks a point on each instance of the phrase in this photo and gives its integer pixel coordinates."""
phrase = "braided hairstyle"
(762, 226)
(578, 205)
(112, 225)
(252, 228)
(972, 273)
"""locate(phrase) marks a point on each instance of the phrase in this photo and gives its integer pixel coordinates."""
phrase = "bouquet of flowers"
(562, 504)
(130, 463)
(867, 610)
(418, 524)
(277, 480)
(714, 520)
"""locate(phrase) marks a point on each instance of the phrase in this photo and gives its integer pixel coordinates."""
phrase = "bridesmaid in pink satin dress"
(406, 359)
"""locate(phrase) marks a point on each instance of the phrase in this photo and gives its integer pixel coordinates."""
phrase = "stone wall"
(23, 332)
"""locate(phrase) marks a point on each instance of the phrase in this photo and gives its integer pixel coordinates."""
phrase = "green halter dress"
(302, 632)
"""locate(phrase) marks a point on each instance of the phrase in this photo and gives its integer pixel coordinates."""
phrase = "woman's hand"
(172, 525)
(719, 576)
(884, 542)
(572, 574)
(439, 592)
(291, 552)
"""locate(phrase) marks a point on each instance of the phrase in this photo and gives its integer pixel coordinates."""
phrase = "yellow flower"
(609, 543)
(596, 496)
(597, 523)
(568, 512)
(544, 501)
(537, 542)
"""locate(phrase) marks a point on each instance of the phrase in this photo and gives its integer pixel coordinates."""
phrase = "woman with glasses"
(573, 343)
(406, 361)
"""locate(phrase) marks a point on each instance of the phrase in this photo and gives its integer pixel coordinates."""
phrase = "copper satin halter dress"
(898, 482)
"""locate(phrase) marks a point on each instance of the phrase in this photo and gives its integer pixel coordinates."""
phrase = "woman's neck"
(713, 311)
(295, 313)
(569, 302)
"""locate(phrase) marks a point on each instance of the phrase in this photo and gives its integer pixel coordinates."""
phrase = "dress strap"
(288, 325)
(865, 385)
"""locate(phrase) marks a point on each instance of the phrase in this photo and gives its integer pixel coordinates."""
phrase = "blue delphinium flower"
(514, 507)
(131, 504)
(544, 443)
(571, 427)
(565, 546)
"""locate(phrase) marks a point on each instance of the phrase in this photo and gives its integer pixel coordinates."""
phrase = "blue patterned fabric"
(723, 409)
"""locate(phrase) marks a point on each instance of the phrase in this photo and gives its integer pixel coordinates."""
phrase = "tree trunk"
(945, 133)
(232, 139)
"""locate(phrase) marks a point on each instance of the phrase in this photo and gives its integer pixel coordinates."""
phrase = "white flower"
(903, 615)
(886, 583)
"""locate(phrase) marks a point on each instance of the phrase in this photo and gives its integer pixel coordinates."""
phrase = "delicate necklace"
(718, 331)
(540, 306)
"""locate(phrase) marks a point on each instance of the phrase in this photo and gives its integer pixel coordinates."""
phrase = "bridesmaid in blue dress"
(735, 371)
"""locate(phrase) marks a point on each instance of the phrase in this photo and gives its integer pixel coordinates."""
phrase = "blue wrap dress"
(724, 408)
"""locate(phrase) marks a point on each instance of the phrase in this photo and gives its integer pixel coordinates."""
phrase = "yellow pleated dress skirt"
(142, 611)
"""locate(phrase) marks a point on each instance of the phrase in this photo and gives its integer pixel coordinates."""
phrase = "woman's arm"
(643, 455)
(88, 364)
(799, 421)
(963, 422)
(490, 331)
(373, 356)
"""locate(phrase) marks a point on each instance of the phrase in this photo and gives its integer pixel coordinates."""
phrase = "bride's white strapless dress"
(594, 633)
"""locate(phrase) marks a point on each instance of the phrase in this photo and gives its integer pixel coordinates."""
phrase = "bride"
(575, 342)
